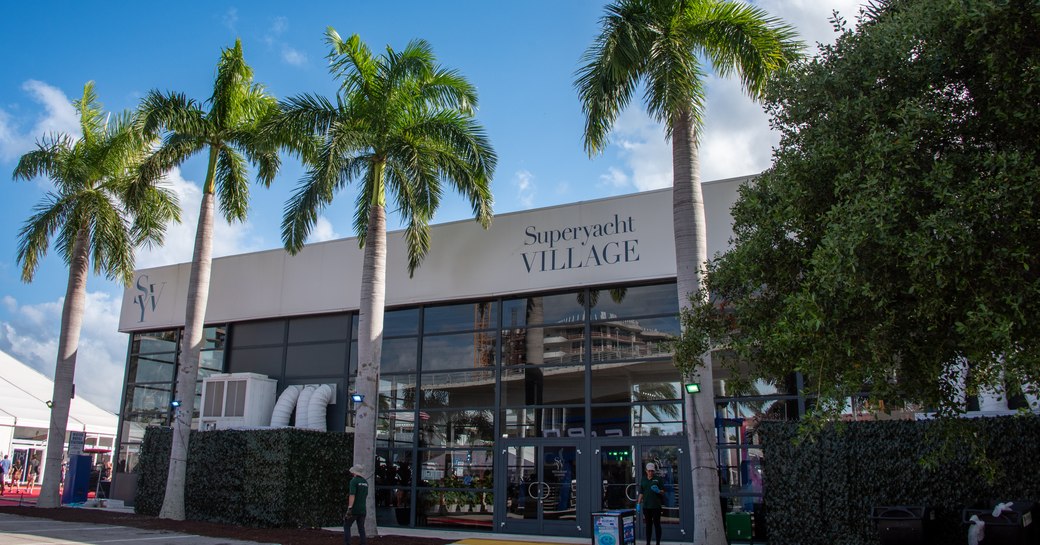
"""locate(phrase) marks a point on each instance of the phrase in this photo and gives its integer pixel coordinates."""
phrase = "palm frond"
(49, 215)
(232, 87)
(232, 184)
(351, 61)
(46, 159)
(172, 112)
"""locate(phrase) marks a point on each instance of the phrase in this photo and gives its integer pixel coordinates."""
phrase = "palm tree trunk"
(191, 344)
(370, 347)
(691, 254)
(65, 368)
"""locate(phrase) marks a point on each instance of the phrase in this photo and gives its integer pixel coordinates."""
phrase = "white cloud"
(59, 116)
(279, 25)
(230, 18)
(31, 335)
(180, 238)
(293, 56)
(736, 139)
(323, 231)
(525, 187)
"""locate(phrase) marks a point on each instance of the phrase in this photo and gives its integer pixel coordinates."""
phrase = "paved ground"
(15, 530)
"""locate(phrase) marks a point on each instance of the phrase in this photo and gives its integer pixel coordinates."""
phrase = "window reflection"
(544, 345)
(627, 339)
(636, 381)
(396, 392)
(466, 350)
(456, 428)
(464, 317)
(398, 355)
(152, 368)
(543, 386)
(624, 301)
(543, 309)
(458, 390)
(543, 422)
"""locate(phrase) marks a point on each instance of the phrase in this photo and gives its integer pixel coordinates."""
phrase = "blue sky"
(520, 55)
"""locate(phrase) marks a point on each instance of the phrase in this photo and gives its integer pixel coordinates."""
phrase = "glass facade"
(530, 374)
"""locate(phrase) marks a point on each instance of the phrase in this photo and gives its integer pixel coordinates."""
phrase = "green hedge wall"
(820, 490)
(262, 478)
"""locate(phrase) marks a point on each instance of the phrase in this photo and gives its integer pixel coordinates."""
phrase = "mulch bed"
(284, 536)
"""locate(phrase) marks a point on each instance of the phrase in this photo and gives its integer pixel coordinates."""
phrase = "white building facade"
(526, 375)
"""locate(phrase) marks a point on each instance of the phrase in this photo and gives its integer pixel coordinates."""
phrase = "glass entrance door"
(622, 466)
(543, 491)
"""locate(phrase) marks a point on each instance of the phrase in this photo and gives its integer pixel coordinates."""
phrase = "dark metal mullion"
(416, 464)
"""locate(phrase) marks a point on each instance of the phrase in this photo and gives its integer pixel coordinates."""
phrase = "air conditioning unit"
(236, 400)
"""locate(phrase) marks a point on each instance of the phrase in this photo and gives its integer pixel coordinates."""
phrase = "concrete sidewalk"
(16, 530)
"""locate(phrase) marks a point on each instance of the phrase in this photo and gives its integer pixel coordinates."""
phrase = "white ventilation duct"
(302, 418)
(284, 408)
(316, 409)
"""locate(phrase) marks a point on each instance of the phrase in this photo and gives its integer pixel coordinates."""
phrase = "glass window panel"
(612, 421)
(395, 429)
(666, 459)
(316, 360)
(203, 373)
(399, 355)
(464, 317)
(152, 368)
(549, 345)
(621, 302)
(456, 428)
(543, 386)
(544, 309)
(457, 468)
(143, 399)
(212, 360)
(334, 327)
(461, 389)
(755, 411)
(628, 339)
(353, 326)
(266, 361)
(155, 341)
(401, 322)
(543, 421)
(467, 350)
(740, 470)
(657, 419)
(214, 337)
(352, 368)
(393, 467)
(635, 381)
(258, 333)
(129, 454)
(396, 392)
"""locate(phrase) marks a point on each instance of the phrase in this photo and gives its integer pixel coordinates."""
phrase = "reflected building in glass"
(526, 373)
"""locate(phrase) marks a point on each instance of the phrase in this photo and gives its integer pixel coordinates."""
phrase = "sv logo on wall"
(149, 293)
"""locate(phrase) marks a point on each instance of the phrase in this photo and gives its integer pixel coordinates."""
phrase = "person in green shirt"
(651, 494)
(357, 493)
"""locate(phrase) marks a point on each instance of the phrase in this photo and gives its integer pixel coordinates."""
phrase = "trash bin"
(616, 527)
(1014, 527)
(902, 524)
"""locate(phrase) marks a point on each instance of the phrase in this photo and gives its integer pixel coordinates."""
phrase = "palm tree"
(230, 130)
(665, 45)
(401, 125)
(101, 208)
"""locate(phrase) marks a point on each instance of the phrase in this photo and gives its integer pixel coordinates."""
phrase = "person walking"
(5, 468)
(34, 472)
(651, 494)
(357, 493)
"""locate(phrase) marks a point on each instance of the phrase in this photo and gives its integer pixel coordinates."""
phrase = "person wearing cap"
(651, 494)
(357, 493)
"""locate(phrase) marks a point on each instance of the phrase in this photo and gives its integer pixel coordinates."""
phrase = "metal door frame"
(677, 532)
(540, 525)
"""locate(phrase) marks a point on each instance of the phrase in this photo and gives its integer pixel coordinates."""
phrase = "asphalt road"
(15, 530)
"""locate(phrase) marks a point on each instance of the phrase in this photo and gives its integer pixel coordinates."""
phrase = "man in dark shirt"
(651, 493)
(357, 493)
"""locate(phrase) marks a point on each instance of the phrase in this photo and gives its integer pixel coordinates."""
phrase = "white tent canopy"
(24, 393)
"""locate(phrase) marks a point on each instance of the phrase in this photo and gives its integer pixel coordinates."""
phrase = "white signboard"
(76, 439)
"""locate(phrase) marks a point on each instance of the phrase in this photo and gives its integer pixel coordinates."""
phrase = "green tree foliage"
(102, 206)
(897, 231)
